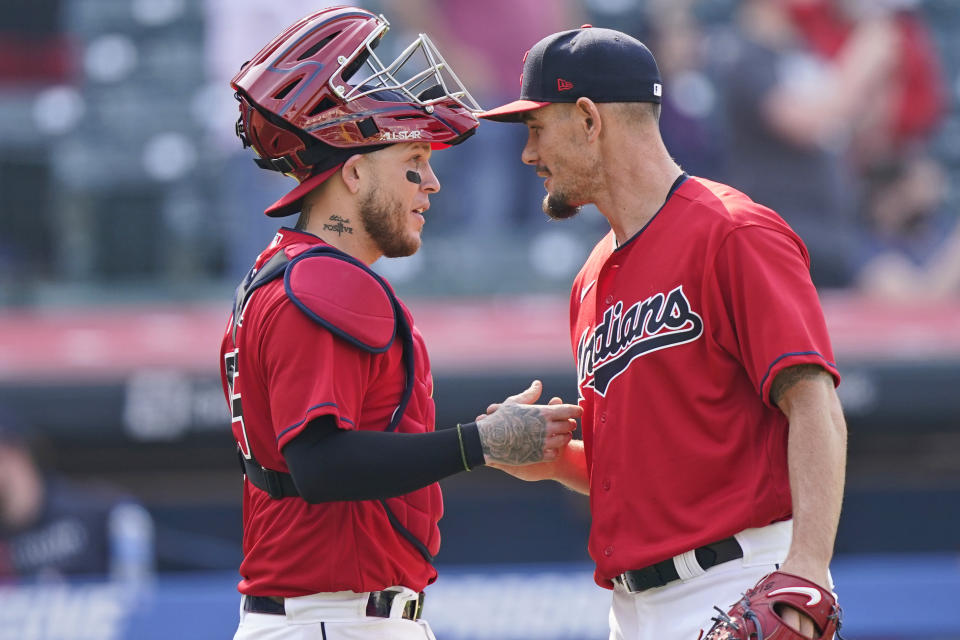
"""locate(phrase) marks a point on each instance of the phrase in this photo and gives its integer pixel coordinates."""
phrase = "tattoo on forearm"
(791, 375)
(339, 225)
(514, 435)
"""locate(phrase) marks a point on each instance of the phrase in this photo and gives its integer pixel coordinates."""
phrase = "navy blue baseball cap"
(590, 62)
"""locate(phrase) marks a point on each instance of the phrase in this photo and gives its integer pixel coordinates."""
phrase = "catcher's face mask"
(318, 93)
(419, 73)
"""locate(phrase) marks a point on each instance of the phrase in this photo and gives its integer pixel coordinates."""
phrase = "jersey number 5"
(230, 366)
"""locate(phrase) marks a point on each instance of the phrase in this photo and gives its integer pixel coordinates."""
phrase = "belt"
(379, 604)
(665, 572)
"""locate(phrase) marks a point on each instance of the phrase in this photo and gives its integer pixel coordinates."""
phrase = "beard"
(558, 207)
(383, 219)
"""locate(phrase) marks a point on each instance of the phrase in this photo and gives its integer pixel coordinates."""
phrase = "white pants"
(682, 608)
(331, 616)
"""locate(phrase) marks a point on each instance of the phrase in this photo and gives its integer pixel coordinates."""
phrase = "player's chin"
(557, 207)
(409, 246)
(401, 244)
(415, 238)
(415, 243)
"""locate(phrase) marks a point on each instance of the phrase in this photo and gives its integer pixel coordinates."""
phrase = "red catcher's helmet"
(318, 94)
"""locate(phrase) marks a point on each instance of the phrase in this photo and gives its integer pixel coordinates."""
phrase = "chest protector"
(357, 306)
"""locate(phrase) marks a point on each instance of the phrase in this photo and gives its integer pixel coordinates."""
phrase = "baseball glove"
(756, 616)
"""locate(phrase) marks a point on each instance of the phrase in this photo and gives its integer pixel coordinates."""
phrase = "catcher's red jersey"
(678, 335)
(290, 370)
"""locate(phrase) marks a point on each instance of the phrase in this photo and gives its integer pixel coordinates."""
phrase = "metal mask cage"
(419, 73)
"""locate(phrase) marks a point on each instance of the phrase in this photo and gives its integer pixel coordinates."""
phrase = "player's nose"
(428, 180)
(529, 154)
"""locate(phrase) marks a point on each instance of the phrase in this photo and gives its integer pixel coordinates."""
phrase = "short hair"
(303, 220)
(637, 111)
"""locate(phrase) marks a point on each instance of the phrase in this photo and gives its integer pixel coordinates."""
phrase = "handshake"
(519, 432)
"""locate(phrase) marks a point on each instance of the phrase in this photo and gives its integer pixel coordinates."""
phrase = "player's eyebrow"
(419, 150)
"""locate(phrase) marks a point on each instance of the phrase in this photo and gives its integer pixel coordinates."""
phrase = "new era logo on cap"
(657, 89)
(564, 85)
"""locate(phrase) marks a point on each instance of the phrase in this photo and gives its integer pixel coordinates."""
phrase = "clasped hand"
(519, 432)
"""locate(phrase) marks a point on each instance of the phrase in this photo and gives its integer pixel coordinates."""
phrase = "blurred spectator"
(689, 120)
(33, 50)
(231, 30)
(912, 245)
(51, 528)
(790, 115)
(909, 104)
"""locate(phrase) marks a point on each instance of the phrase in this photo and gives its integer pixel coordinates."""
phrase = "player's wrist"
(816, 572)
(571, 465)
(471, 446)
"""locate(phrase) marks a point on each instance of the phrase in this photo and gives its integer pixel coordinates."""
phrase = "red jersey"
(678, 335)
(289, 371)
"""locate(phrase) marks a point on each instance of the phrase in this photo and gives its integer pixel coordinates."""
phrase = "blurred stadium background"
(128, 211)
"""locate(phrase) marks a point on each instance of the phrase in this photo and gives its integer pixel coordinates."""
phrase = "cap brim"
(293, 201)
(511, 112)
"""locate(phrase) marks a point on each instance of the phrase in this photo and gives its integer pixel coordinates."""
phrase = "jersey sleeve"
(762, 284)
(310, 373)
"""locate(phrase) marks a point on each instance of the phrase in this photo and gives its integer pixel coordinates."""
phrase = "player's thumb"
(529, 395)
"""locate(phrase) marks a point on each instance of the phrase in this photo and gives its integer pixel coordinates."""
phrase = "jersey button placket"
(604, 284)
(608, 551)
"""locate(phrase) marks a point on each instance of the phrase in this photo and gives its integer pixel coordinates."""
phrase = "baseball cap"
(293, 201)
(590, 62)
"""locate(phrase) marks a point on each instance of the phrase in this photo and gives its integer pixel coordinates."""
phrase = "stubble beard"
(383, 220)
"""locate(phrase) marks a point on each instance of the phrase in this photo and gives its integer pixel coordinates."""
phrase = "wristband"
(463, 453)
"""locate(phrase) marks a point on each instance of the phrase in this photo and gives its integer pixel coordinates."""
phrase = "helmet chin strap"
(414, 177)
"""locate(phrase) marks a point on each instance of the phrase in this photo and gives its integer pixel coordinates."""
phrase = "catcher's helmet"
(318, 94)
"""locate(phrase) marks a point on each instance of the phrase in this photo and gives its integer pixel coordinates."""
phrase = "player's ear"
(589, 115)
(353, 172)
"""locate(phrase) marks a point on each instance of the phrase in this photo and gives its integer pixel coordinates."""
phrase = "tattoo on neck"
(514, 434)
(339, 225)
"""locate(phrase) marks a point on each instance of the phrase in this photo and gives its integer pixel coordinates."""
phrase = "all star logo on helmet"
(401, 135)
(659, 322)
